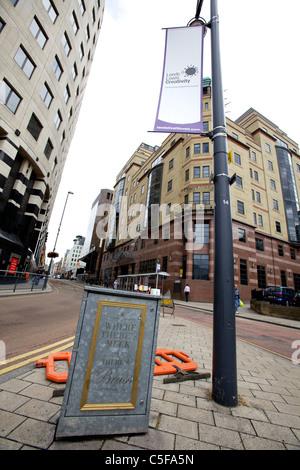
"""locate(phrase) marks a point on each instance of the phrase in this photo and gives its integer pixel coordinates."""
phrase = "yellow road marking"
(34, 358)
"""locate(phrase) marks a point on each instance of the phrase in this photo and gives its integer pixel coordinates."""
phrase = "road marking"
(35, 358)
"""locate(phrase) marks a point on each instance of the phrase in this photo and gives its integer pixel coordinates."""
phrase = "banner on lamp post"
(180, 101)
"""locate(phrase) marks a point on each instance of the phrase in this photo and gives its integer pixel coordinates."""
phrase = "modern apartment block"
(47, 49)
(164, 209)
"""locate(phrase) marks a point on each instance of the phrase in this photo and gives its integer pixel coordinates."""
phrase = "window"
(240, 207)
(237, 158)
(255, 175)
(243, 272)
(9, 97)
(187, 152)
(46, 95)
(196, 198)
(275, 205)
(81, 51)
(51, 10)
(14, 2)
(57, 68)
(74, 22)
(283, 278)
(171, 164)
(206, 198)
(187, 175)
(293, 254)
(48, 149)
(67, 94)
(24, 62)
(254, 156)
(74, 71)
(38, 32)
(205, 126)
(205, 147)
(261, 277)
(239, 182)
(254, 218)
(170, 184)
(273, 185)
(270, 165)
(66, 44)
(268, 148)
(82, 6)
(196, 148)
(200, 267)
(196, 171)
(58, 120)
(278, 227)
(258, 197)
(242, 235)
(34, 127)
(280, 250)
(205, 172)
(201, 231)
(259, 244)
(2, 25)
(87, 33)
(260, 220)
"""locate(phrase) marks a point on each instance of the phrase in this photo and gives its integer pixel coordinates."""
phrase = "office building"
(164, 209)
(47, 50)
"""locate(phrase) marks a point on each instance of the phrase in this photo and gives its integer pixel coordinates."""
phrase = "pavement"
(183, 416)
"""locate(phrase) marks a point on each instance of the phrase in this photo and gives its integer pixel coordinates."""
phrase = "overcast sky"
(260, 62)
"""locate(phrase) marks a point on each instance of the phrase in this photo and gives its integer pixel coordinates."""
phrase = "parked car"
(279, 294)
(296, 300)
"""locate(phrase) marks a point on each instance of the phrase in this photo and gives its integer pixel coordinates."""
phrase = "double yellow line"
(25, 359)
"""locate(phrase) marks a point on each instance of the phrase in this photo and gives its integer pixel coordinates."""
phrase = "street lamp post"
(224, 374)
(62, 216)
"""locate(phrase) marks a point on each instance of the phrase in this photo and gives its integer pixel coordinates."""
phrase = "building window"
(74, 71)
(280, 250)
(258, 197)
(270, 165)
(58, 120)
(243, 272)
(196, 148)
(205, 147)
(46, 95)
(171, 164)
(196, 198)
(38, 32)
(170, 184)
(255, 175)
(239, 182)
(240, 207)
(205, 172)
(201, 232)
(260, 220)
(24, 62)
(187, 152)
(200, 267)
(2, 25)
(278, 227)
(81, 51)
(57, 68)
(51, 10)
(242, 235)
(9, 97)
(293, 254)
(34, 127)
(283, 278)
(268, 148)
(67, 94)
(14, 2)
(261, 277)
(275, 205)
(82, 6)
(66, 44)
(196, 171)
(187, 175)
(237, 158)
(74, 22)
(273, 185)
(259, 244)
(206, 198)
(48, 149)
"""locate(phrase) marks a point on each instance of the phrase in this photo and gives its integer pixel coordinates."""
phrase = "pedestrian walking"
(187, 291)
(236, 298)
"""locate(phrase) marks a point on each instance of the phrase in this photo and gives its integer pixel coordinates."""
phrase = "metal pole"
(224, 376)
(62, 216)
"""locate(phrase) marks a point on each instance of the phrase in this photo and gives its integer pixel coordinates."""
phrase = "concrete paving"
(183, 416)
